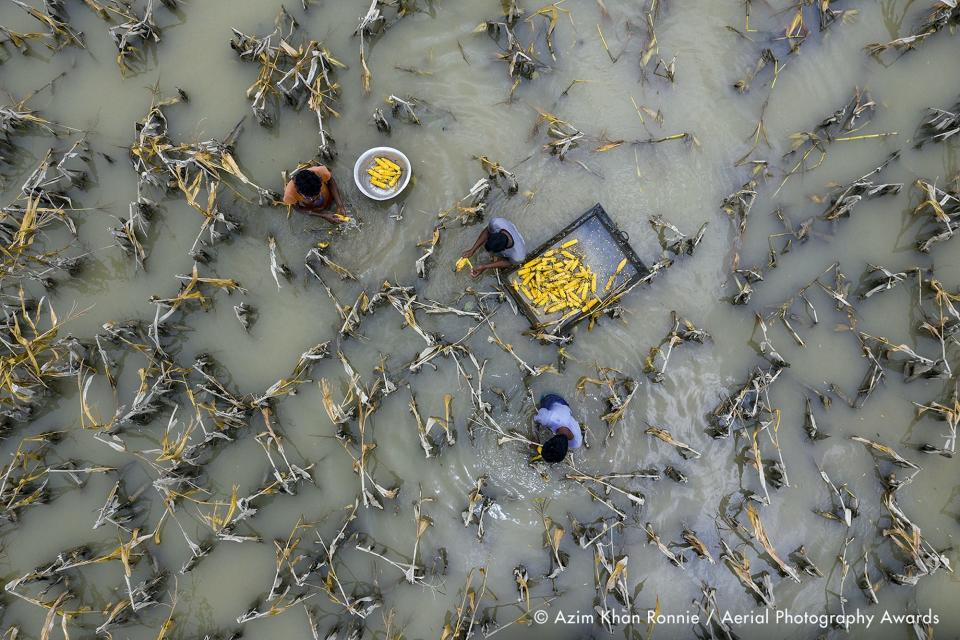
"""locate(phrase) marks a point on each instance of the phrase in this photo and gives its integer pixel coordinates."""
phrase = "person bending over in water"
(312, 190)
(502, 239)
(555, 415)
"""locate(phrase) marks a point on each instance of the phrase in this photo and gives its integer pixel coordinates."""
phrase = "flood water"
(469, 111)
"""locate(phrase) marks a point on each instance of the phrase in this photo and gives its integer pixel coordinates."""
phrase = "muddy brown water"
(472, 116)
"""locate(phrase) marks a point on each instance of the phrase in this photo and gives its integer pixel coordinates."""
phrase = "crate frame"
(619, 237)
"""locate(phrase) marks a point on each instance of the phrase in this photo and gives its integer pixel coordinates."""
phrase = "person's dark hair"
(496, 242)
(308, 183)
(555, 449)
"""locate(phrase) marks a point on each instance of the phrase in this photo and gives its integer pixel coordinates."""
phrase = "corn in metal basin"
(603, 244)
(366, 161)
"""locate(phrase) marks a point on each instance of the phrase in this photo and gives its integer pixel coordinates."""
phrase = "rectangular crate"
(603, 244)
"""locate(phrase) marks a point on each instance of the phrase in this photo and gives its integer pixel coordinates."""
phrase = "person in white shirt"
(501, 238)
(554, 414)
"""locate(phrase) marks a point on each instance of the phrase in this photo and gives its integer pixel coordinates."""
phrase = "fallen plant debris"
(126, 416)
(942, 14)
(943, 208)
(192, 169)
(297, 71)
(941, 125)
(683, 332)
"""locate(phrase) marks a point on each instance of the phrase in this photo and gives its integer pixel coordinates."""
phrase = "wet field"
(230, 470)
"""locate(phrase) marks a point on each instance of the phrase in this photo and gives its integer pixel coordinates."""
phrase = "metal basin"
(366, 161)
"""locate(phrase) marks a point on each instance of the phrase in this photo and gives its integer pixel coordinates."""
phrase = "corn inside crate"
(600, 247)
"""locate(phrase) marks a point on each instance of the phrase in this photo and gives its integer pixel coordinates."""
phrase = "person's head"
(555, 449)
(497, 242)
(308, 183)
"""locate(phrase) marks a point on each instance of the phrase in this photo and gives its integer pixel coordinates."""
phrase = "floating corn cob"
(620, 267)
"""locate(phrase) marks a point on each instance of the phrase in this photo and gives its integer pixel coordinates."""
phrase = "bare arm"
(290, 194)
(331, 218)
(476, 245)
(335, 192)
(496, 264)
(319, 213)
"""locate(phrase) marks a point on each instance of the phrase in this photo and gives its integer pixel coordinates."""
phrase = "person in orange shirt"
(313, 190)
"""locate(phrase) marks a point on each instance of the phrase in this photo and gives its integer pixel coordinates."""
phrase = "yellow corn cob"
(620, 266)
(387, 163)
(558, 280)
(383, 169)
(378, 183)
(393, 180)
(609, 283)
(590, 305)
(463, 262)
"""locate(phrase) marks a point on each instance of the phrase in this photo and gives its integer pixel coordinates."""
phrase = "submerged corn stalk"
(380, 16)
(59, 31)
(940, 209)
(197, 170)
(296, 72)
(683, 331)
(131, 34)
(942, 14)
